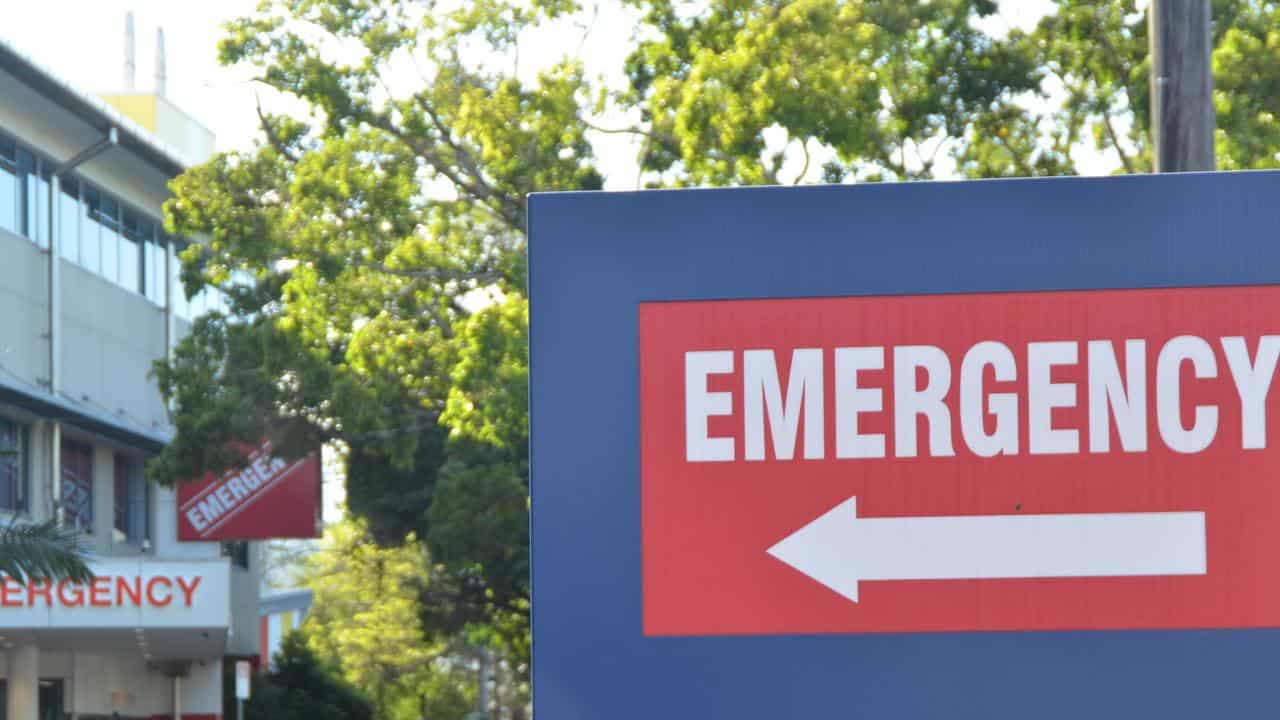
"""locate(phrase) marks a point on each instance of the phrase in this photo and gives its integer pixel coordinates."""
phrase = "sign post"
(969, 450)
(243, 671)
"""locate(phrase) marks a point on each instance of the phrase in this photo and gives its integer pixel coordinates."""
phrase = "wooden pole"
(1182, 116)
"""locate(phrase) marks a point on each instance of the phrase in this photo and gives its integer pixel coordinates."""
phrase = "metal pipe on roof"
(130, 65)
(161, 77)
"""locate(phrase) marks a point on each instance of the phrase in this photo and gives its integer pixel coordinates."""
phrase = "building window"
(77, 485)
(8, 185)
(98, 231)
(34, 197)
(69, 219)
(131, 502)
(90, 231)
(154, 275)
(13, 466)
(178, 297)
(109, 222)
(134, 232)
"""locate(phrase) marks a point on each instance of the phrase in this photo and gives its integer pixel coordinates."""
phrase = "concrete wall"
(24, 293)
(110, 338)
(193, 142)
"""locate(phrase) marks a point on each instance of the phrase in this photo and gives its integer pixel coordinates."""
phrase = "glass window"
(156, 277)
(131, 250)
(91, 230)
(109, 218)
(8, 185)
(181, 303)
(131, 502)
(29, 194)
(149, 268)
(77, 485)
(69, 216)
(13, 466)
(43, 186)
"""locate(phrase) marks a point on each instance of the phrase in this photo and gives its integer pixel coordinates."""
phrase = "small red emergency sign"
(1011, 461)
(268, 498)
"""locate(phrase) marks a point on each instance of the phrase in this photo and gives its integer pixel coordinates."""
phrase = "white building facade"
(89, 299)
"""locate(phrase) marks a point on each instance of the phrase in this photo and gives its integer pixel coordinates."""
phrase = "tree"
(366, 619)
(915, 90)
(364, 230)
(382, 232)
(300, 687)
(879, 88)
(45, 551)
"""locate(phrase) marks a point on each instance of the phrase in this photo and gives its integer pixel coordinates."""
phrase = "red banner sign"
(268, 498)
(1013, 461)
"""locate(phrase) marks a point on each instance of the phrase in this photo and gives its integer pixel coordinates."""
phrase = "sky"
(223, 99)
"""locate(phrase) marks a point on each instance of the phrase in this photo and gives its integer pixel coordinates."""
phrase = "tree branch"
(1115, 143)
(804, 146)
(270, 132)
(485, 277)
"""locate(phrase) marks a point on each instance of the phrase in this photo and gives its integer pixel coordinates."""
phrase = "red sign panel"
(1013, 461)
(268, 498)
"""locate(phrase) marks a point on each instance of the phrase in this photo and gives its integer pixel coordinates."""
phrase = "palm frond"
(44, 551)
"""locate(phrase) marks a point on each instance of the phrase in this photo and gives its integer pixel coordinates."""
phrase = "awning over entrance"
(151, 645)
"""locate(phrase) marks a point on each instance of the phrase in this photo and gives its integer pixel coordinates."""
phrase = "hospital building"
(89, 300)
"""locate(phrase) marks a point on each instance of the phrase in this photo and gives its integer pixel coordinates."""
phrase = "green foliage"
(870, 80)
(488, 398)
(43, 552)
(1246, 77)
(371, 226)
(300, 687)
(889, 89)
(366, 618)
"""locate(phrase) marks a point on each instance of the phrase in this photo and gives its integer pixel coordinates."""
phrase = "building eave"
(91, 110)
(89, 419)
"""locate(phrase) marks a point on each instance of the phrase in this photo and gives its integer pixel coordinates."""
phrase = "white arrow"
(838, 549)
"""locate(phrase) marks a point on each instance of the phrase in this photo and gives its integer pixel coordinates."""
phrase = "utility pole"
(1182, 117)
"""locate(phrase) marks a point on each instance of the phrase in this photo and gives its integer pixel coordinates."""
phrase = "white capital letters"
(700, 404)
(852, 400)
(1004, 406)
(761, 395)
(1043, 395)
(1169, 394)
(1253, 381)
(909, 401)
(1107, 388)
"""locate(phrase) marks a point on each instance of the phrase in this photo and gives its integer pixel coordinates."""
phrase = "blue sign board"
(688, 491)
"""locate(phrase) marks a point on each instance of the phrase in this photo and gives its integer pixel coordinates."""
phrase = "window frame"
(83, 519)
(101, 210)
(21, 488)
(135, 513)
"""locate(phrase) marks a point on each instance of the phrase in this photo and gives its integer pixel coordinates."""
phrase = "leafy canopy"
(300, 687)
(381, 232)
(366, 619)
